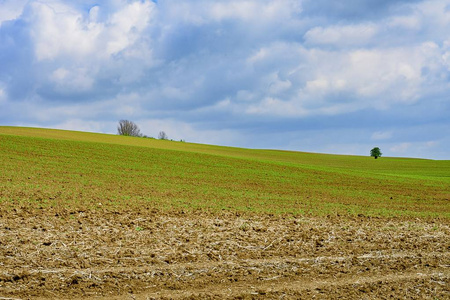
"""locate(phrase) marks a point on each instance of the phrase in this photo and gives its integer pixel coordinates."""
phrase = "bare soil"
(150, 254)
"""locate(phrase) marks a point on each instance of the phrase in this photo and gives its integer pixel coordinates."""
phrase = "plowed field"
(149, 254)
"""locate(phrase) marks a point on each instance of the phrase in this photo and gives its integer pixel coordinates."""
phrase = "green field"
(67, 169)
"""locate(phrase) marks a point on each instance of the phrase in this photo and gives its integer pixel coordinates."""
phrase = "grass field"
(54, 167)
(270, 207)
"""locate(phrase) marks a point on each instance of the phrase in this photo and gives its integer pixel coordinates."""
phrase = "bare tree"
(163, 136)
(128, 128)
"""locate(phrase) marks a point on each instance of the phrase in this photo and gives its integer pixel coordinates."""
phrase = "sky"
(307, 75)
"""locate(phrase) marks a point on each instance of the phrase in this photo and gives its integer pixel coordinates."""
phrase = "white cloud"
(342, 36)
(333, 82)
(3, 98)
(245, 96)
(415, 149)
(432, 144)
(245, 10)
(381, 135)
(278, 85)
(126, 25)
(72, 80)
(83, 125)
(126, 105)
(317, 85)
(397, 71)
(400, 148)
(389, 75)
(276, 107)
(93, 14)
(446, 58)
(436, 12)
(412, 22)
(60, 30)
(252, 11)
(178, 130)
(11, 9)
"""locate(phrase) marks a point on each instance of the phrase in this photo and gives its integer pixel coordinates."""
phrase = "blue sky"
(313, 75)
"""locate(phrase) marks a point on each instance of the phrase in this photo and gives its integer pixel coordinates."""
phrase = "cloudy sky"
(309, 75)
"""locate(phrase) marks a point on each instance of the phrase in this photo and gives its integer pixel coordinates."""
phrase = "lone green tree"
(128, 128)
(376, 152)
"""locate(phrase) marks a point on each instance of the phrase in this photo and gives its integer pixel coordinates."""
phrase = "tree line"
(129, 128)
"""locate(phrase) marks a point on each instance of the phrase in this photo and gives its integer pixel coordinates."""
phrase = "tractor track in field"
(347, 287)
(151, 254)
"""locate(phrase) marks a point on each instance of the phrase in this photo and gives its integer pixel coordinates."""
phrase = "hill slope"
(57, 167)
